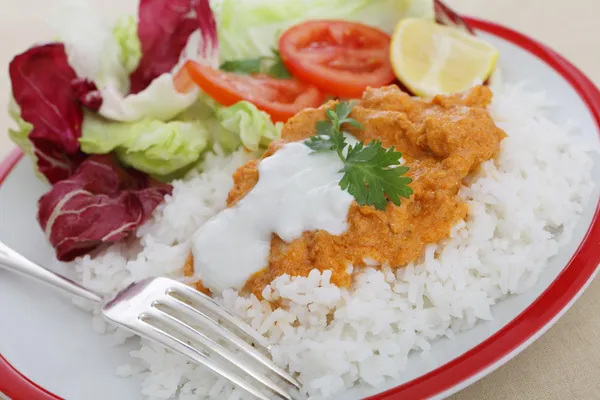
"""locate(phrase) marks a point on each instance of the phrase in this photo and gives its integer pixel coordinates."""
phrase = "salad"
(110, 113)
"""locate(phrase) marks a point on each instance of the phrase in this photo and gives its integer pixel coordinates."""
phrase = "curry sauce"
(442, 141)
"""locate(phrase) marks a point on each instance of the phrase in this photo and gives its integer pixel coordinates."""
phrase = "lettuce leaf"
(92, 49)
(130, 48)
(253, 127)
(167, 149)
(241, 124)
(132, 64)
(87, 93)
(46, 109)
(160, 101)
(20, 135)
(93, 200)
(251, 28)
(167, 32)
(101, 203)
(152, 146)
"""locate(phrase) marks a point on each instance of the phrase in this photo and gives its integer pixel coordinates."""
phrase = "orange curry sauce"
(442, 140)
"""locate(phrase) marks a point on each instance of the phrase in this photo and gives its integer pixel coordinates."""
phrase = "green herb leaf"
(246, 67)
(278, 69)
(324, 128)
(343, 109)
(333, 116)
(272, 66)
(354, 123)
(320, 144)
(372, 174)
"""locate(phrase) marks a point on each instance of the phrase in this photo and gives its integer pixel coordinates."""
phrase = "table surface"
(565, 362)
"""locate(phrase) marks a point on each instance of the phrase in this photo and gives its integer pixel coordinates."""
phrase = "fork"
(183, 320)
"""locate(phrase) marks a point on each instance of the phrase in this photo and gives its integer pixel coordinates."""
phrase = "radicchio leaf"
(101, 203)
(164, 28)
(87, 93)
(446, 16)
(41, 85)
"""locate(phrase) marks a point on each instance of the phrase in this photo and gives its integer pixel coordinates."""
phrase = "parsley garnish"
(272, 65)
(372, 174)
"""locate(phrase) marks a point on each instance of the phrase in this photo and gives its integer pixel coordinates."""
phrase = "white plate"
(51, 342)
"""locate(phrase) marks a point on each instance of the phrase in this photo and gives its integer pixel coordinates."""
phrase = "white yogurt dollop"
(296, 192)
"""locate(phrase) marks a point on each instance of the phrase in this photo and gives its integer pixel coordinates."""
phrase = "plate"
(52, 343)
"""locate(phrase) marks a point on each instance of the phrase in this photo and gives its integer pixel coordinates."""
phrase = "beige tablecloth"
(564, 363)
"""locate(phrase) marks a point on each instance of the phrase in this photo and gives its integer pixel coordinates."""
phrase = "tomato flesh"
(183, 81)
(280, 98)
(339, 57)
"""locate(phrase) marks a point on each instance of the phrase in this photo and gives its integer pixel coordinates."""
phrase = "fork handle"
(14, 261)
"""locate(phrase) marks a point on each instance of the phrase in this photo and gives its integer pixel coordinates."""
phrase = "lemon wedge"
(431, 59)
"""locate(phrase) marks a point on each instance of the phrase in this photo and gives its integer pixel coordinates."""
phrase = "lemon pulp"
(431, 59)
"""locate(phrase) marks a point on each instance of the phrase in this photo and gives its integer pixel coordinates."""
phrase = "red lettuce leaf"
(87, 93)
(93, 200)
(41, 85)
(446, 16)
(53, 162)
(164, 29)
(101, 203)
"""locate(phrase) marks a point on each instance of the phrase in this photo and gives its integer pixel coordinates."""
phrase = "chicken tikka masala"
(442, 141)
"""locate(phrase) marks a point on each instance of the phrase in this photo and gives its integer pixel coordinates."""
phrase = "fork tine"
(159, 336)
(191, 333)
(208, 322)
(220, 311)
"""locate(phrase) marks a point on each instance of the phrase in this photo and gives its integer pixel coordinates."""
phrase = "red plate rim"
(489, 354)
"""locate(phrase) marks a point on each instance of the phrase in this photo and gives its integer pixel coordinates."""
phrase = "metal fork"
(183, 320)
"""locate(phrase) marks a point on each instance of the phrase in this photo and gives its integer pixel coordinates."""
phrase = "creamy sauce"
(296, 192)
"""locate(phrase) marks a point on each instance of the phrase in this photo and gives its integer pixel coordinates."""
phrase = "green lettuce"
(20, 135)
(252, 126)
(251, 28)
(166, 150)
(155, 147)
(130, 48)
(241, 124)
(205, 110)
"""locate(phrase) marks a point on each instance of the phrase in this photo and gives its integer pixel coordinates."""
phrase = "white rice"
(523, 207)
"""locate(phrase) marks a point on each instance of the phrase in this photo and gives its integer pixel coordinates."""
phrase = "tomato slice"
(280, 98)
(183, 81)
(339, 57)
